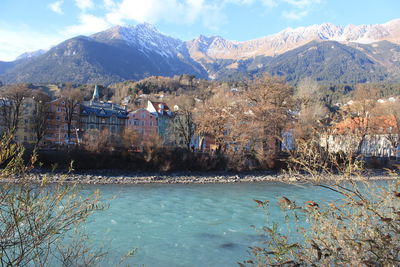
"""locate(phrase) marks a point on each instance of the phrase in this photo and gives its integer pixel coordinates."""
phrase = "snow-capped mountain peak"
(145, 36)
(32, 54)
(291, 38)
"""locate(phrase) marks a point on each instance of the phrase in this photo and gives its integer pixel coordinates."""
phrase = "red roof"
(159, 106)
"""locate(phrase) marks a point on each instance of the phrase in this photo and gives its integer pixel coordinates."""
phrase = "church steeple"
(96, 93)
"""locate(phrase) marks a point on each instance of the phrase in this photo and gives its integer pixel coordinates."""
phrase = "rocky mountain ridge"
(288, 39)
(368, 53)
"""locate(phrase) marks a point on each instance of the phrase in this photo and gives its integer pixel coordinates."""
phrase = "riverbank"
(116, 177)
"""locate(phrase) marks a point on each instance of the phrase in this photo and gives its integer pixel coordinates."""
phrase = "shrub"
(362, 229)
(39, 222)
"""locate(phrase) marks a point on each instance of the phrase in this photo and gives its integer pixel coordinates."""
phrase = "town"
(238, 121)
(199, 133)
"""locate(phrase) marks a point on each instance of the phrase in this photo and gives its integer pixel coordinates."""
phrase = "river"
(189, 225)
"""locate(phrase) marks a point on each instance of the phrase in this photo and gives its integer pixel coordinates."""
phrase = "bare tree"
(183, 126)
(131, 138)
(11, 98)
(71, 98)
(39, 118)
(359, 113)
(213, 118)
(313, 118)
(388, 117)
(359, 228)
(268, 102)
(99, 141)
(307, 91)
(37, 224)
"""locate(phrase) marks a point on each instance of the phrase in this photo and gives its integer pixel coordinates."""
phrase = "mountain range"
(326, 52)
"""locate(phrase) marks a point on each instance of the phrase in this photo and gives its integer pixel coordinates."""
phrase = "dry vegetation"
(245, 121)
(247, 125)
(361, 228)
(39, 225)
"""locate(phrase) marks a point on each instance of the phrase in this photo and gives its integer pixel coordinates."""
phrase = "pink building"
(144, 122)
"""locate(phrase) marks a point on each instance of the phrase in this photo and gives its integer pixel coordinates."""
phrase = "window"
(143, 115)
(151, 123)
(58, 118)
(25, 138)
(136, 122)
(58, 109)
(142, 123)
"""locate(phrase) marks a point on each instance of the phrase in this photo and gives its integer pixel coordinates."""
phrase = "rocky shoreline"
(112, 177)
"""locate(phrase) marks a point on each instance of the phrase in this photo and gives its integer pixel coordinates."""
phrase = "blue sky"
(28, 25)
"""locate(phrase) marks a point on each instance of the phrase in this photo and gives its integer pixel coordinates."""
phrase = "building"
(96, 114)
(3, 105)
(57, 127)
(164, 117)
(374, 136)
(144, 122)
(202, 143)
(25, 133)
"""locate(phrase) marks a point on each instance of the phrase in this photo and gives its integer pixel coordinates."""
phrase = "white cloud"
(88, 24)
(239, 2)
(108, 4)
(137, 10)
(56, 7)
(269, 3)
(302, 3)
(21, 38)
(294, 3)
(294, 14)
(17, 40)
(298, 8)
(84, 4)
(211, 13)
(175, 11)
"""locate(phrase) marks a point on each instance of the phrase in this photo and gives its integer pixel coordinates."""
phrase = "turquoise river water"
(189, 225)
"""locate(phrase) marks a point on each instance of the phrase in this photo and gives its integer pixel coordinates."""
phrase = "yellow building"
(25, 133)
